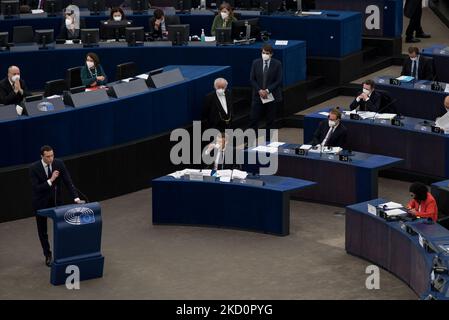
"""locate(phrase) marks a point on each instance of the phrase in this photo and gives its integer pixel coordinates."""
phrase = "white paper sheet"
(269, 98)
(142, 76)
(395, 212)
(238, 174)
(391, 205)
(265, 149)
(281, 43)
(275, 144)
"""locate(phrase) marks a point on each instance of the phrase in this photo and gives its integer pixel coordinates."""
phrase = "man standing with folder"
(266, 80)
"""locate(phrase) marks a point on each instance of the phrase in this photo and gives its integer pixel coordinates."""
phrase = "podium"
(76, 241)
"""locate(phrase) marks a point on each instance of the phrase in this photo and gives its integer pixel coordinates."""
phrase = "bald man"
(13, 89)
(217, 109)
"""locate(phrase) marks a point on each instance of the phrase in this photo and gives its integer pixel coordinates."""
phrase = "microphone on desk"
(384, 108)
(82, 194)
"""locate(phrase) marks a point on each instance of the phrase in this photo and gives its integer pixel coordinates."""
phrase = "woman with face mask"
(224, 18)
(70, 28)
(92, 74)
(117, 15)
(422, 204)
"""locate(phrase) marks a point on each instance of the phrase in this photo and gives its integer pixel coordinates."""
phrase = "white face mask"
(224, 15)
(265, 57)
(68, 22)
(414, 59)
(332, 123)
(117, 18)
(220, 92)
(366, 91)
(15, 78)
(90, 64)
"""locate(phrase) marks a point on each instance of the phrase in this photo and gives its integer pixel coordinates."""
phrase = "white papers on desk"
(311, 13)
(69, 42)
(225, 179)
(37, 11)
(143, 76)
(275, 144)
(386, 116)
(268, 99)
(443, 122)
(224, 173)
(238, 174)
(209, 39)
(326, 150)
(127, 80)
(19, 110)
(395, 212)
(326, 114)
(206, 172)
(306, 147)
(265, 149)
(179, 174)
(405, 78)
(390, 205)
(281, 43)
(55, 96)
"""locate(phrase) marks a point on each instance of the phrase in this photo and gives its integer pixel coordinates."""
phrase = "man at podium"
(47, 176)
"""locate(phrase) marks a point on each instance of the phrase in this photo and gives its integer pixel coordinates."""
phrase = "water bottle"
(203, 36)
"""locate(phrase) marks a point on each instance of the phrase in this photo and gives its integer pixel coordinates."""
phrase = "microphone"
(384, 108)
(56, 188)
(82, 194)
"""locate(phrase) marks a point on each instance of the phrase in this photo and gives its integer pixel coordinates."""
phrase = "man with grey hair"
(218, 109)
(13, 89)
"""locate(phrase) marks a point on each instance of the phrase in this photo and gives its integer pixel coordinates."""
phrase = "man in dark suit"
(330, 133)
(417, 66)
(369, 99)
(13, 89)
(266, 80)
(159, 23)
(413, 10)
(47, 176)
(217, 109)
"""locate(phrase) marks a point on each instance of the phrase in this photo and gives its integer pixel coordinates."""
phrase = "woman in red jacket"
(423, 204)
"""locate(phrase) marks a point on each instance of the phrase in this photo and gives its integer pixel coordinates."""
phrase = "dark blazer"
(169, 20)
(223, 165)
(425, 68)
(337, 139)
(65, 34)
(213, 114)
(274, 79)
(410, 7)
(43, 195)
(7, 94)
(374, 103)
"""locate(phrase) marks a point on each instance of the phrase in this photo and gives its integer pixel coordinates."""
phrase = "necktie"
(414, 70)
(265, 73)
(48, 171)
(328, 135)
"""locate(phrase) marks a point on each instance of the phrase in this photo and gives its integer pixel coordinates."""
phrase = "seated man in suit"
(369, 99)
(159, 23)
(417, 66)
(13, 89)
(330, 133)
(266, 81)
(217, 110)
(47, 176)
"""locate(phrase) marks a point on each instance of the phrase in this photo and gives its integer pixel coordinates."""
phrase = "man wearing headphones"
(330, 133)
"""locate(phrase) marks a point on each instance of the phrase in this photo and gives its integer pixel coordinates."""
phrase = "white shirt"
(268, 64)
(46, 171)
(222, 99)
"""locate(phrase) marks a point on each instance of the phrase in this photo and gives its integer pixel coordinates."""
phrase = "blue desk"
(335, 33)
(76, 130)
(440, 190)
(242, 206)
(388, 245)
(424, 152)
(39, 66)
(339, 183)
(414, 99)
(389, 17)
(440, 59)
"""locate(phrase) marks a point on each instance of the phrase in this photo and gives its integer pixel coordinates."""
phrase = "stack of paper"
(386, 116)
(405, 78)
(367, 114)
(179, 174)
(327, 150)
(276, 144)
(395, 212)
(143, 76)
(224, 173)
(265, 149)
(390, 205)
(237, 174)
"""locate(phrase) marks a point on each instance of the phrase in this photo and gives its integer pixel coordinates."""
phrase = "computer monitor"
(135, 35)
(44, 37)
(96, 7)
(90, 37)
(53, 7)
(178, 34)
(10, 8)
(139, 6)
(183, 5)
(114, 29)
(223, 36)
(4, 40)
(246, 29)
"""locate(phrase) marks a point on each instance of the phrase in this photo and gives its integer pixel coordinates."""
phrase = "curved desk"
(77, 130)
(402, 142)
(39, 66)
(440, 56)
(390, 246)
(332, 34)
(229, 205)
